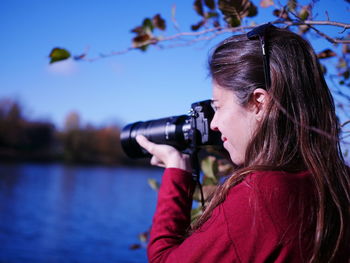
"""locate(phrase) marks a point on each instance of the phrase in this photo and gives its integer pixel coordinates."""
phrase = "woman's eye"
(215, 107)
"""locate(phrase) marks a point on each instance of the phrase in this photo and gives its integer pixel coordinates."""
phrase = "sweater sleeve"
(259, 221)
(172, 216)
(172, 220)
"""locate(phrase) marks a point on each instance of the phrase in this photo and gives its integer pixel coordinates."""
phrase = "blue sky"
(121, 89)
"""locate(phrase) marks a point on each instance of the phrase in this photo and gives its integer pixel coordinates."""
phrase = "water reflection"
(56, 213)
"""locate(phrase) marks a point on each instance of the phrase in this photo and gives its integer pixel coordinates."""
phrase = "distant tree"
(21, 139)
(88, 144)
(72, 121)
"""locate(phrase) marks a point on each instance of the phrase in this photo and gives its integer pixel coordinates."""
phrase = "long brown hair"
(300, 130)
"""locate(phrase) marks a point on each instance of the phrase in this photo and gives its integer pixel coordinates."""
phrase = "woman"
(289, 198)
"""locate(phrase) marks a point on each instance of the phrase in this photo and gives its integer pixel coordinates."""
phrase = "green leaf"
(59, 54)
(327, 53)
(148, 25)
(303, 29)
(198, 7)
(208, 190)
(198, 25)
(159, 22)
(266, 3)
(233, 21)
(143, 237)
(197, 194)
(341, 64)
(141, 41)
(196, 213)
(153, 184)
(216, 23)
(291, 5)
(209, 167)
(281, 13)
(138, 30)
(304, 13)
(209, 181)
(210, 4)
(346, 49)
(252, 11)
(225, 168)
(211, 14)
(143, 47)
(235, 10)
(135, 246)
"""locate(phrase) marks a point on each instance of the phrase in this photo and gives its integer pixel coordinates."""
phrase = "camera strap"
(196, 173)
(194, 149)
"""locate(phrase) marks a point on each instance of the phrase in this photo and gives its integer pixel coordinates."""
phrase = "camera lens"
(170, 131)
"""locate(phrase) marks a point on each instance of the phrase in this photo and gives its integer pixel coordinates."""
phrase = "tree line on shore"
(40, 141)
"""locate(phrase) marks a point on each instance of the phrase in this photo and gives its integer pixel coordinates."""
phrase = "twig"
(345, 123)
(327, 15)
(343, 139)
(310, 23)
(327, 23)
(330, 39)
(175, 23)
(202, 35)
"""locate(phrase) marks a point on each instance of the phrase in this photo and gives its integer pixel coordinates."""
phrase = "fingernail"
(138, 138)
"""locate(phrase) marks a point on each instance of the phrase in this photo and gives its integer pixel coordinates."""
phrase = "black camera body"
(187, 133)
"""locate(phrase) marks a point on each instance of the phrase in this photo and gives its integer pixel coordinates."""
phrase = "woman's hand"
(165, 155)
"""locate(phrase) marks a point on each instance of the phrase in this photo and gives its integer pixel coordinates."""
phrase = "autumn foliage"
(25, 140)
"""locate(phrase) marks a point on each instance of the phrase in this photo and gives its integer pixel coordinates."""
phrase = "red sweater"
(265, 218)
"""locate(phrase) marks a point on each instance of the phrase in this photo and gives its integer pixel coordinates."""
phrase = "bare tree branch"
(215, 31)
(345, 123)
(173, 18)
(330, 39)
(325, 23)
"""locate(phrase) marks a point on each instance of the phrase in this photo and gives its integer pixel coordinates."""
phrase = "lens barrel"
(170, 131)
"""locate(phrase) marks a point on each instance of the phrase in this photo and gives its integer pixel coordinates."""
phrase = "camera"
(187, 133)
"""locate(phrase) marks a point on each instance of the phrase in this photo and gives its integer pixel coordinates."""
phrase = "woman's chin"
(235, 157)
(237, 160)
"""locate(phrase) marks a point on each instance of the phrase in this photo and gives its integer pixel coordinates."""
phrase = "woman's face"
(235, 122)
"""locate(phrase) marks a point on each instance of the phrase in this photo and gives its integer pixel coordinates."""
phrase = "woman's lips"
(224, 142)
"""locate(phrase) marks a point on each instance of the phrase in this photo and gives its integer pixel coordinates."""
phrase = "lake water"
(57, 213)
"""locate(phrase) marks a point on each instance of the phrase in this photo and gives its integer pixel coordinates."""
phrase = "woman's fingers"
(164, 155)
(149, 146)
(159, 152)
(156, 161)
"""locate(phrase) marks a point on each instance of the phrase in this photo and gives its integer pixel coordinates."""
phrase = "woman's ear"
(258, 101)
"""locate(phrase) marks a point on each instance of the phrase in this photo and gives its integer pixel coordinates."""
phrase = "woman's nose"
(213, 124)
